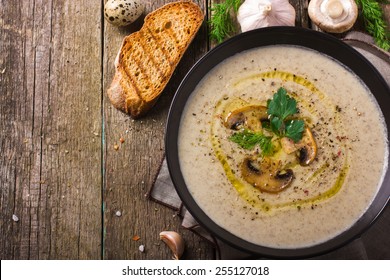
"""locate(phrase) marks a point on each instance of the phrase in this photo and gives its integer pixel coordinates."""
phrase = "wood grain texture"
(301, 16)
(131, 170)
(59, 172)
(50, 113)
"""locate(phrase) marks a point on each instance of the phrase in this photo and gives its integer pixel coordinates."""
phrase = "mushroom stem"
(335, 9)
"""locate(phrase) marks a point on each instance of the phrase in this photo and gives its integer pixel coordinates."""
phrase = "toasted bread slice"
(148, 58)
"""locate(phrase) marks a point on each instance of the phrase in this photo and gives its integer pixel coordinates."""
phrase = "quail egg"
(123, 12)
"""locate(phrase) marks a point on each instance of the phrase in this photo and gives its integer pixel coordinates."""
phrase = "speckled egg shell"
(123, 12)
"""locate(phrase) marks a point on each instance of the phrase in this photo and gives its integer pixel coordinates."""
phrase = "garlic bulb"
(254, 14)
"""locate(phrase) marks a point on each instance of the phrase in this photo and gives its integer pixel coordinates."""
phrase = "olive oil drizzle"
(246, 191)
(284, 76)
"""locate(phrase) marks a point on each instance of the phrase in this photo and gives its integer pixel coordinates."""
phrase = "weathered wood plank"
(75, 98)
(51, 61)
(130, 171)
(11, 44)
(301, 17)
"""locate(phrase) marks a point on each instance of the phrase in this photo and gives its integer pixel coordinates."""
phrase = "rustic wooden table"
(62, 182)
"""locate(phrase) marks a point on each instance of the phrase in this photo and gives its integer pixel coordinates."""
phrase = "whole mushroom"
(123, 12)
(334, 16)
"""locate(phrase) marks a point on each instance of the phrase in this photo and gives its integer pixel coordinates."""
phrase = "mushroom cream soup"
(303, 192)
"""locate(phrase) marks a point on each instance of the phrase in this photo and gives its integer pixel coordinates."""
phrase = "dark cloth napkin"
(164, 192)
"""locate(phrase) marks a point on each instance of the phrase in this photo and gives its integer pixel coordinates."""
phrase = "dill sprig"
(221, 23)
(375, 24)
(248, 140)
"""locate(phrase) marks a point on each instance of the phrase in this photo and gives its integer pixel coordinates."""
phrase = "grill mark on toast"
(156, 55)
(167, 44)
(139, 77)
(127, 74)
(150, 80)
(148, 84)
(178, 48)
(130, 84)
(158, 40)
(135, 68)
(130, 90)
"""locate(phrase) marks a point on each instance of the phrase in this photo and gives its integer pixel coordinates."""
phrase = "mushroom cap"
(249, 117)
(266, 175)
(334, 16)
(307, 148)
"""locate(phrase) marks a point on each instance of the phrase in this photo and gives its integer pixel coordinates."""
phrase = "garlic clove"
(174, 241)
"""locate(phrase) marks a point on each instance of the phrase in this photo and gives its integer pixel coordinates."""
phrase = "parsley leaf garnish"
(248, 139)
(280, 107)
(294, 129)
(277, 125)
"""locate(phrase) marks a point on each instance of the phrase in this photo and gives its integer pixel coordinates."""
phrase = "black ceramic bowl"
(264, 37)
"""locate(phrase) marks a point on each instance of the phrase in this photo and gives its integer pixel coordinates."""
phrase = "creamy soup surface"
(325, 197)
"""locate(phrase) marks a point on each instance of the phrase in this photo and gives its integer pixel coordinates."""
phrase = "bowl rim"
(317, 41)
